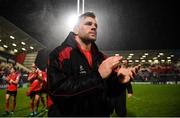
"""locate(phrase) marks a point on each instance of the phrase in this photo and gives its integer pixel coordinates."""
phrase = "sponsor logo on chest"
(82, 70)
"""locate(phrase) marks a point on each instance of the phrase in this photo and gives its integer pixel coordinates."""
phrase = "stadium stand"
(157, 66)
(16, 48)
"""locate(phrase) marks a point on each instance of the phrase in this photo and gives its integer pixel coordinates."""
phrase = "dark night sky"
(123, 24)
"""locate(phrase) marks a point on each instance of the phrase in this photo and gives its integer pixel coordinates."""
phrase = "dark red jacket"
(74, 87)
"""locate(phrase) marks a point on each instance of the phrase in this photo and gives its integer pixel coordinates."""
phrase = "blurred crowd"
(158, 73)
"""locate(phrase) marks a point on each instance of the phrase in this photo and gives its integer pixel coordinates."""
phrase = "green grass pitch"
(22, 104)
(147, 100)
(154, 100)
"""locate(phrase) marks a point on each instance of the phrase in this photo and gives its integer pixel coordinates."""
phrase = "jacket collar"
(70, 40)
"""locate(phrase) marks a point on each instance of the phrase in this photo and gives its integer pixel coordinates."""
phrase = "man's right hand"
(108, 65)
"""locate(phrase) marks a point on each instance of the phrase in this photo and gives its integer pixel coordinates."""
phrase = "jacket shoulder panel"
(64, 54)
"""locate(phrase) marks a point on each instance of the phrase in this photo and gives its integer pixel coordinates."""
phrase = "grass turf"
(154, 100)
(22, 104)
(147, 100)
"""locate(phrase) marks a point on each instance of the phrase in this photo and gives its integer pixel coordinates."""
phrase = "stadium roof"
(13, 40)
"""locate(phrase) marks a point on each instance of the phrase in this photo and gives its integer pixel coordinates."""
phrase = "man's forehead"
(88, 19)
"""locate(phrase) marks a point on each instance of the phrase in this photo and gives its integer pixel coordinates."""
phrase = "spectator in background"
(12, 80)
(117, 93)
(118, 99)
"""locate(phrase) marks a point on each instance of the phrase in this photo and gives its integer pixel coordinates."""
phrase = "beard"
(88, 40)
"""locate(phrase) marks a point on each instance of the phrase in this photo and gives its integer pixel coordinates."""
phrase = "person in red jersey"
(12, 80)
(43, 89)
(35, 80)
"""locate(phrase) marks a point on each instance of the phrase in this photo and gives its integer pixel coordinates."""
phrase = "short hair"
(86, 14)
(14, 68)
(33, 65)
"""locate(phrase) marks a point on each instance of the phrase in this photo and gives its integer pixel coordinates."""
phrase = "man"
(117, 91)
(35, 80)
(77, 73)
(118, 98)
(12, 79)
(43, 95)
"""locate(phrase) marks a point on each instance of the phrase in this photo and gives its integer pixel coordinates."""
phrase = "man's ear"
(76, 29)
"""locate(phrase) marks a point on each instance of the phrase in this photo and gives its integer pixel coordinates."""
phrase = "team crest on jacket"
(82, 70)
